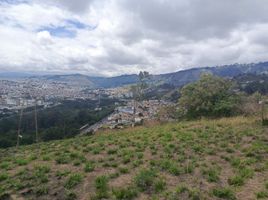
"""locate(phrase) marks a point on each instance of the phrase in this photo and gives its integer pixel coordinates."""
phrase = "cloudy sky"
(112, 37)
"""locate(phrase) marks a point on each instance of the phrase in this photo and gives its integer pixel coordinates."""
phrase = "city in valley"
(16, 95)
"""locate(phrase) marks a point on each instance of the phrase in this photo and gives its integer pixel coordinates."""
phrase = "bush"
(211, 96)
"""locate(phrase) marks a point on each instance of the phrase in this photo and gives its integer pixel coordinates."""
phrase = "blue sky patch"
(14, 1)
(69, 29)
(60, 31)
(76, 24)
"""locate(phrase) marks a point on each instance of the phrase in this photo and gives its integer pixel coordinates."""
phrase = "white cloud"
(111, 37)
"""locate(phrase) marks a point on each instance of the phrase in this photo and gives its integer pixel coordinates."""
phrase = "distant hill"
(177, 79)
(116, 81)
(251, 83)
(72, 79)
(183, 77)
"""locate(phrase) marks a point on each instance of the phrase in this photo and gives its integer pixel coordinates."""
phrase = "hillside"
(186, 76)
(215, 159)
(251, 83)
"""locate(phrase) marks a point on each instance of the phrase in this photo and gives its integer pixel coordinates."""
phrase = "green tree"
(211, 96)
(139, 89)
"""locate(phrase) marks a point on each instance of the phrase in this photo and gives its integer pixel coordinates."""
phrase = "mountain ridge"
(177, 79)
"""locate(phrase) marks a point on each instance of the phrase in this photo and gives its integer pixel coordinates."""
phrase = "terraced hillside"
(221, 159)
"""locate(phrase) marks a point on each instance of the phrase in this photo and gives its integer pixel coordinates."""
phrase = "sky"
(114, 37)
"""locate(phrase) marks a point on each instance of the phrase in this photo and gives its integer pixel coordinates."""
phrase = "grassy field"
(216, 159)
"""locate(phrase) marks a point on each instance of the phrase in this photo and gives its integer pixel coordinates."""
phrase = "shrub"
(209, 96)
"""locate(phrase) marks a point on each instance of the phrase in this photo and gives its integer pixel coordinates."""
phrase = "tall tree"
(209, 96)
(138, 90)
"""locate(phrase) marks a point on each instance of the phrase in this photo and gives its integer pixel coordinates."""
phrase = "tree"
(139, 89)
(211, 96)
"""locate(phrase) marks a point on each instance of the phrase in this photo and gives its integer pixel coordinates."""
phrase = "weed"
(73, 180)
(123, 170)
(224, 193)
(159, 185)
(212, 175)
(41, 190)
(89, 167)
(3, 177)
(101, 185)
(21, 161)
(145, 179)
(236, 180)
(125, 193)
(262, 195)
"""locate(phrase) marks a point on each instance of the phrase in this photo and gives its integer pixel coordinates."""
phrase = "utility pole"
(99, 100)
(36, 126)
(19, 128)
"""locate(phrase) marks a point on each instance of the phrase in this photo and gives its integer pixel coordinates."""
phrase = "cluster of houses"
(132, 114)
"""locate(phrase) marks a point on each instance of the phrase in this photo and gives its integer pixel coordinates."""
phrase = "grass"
(212, 175)
(125, 193)
(73, 180)
(89, 167)
(224, 193)
(206, 159)
(101, 185)
(144, 180)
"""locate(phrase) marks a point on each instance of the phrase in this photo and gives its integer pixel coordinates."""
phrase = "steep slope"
(207, 159)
